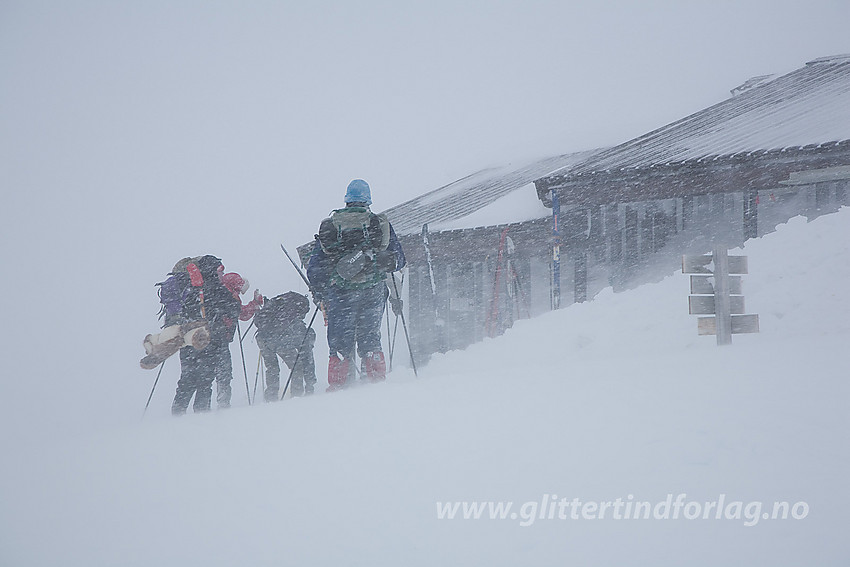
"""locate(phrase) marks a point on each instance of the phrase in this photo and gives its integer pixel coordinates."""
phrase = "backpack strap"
(384, 224)
(344, 223)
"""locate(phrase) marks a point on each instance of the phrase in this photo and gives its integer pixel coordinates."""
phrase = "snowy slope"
(614, 398)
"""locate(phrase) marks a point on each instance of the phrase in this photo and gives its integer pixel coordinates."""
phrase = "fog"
(133, 134)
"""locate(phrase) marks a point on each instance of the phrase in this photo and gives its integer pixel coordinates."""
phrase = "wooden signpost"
(716, 290)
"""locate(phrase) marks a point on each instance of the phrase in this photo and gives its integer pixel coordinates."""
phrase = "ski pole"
(294, 265)
(298, 354)
(161, 366)
(257, 375)
(395, 332)
(244, 368)
(389, 338)
(404, 325)
(242, 336)
(306, 281)
(395, 326)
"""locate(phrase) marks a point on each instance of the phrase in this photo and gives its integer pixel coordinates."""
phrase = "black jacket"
(216, 304)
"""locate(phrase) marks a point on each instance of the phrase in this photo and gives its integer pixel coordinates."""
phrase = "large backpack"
(280, 311)
(176, 293)
(353, 235)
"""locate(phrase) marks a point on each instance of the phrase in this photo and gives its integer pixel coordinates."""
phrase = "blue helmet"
(358, 192)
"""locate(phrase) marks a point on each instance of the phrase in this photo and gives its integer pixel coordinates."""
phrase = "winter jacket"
(234, 283)
(219, 305)
(321, 268)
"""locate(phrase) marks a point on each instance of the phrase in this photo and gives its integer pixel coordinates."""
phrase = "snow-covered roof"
(474, 192)
(517, 206)
(807, 107)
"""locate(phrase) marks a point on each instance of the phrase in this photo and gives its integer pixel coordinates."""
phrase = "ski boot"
(375, 366)
(337, 373)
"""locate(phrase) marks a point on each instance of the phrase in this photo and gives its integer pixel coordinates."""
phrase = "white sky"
(136, 133)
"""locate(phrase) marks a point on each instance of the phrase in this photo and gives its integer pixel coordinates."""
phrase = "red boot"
(376, 367)
(337, 373)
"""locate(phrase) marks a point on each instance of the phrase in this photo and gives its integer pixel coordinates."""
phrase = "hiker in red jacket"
(237, 286)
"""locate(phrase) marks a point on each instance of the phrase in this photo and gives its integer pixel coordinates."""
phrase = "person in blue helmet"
(354, 251)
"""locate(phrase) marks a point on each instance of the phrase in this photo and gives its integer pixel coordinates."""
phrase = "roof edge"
(844, 58)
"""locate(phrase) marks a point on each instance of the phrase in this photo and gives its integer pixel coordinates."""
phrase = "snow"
(598, 401)
(133, 134)
(806, 107)
(517, 206)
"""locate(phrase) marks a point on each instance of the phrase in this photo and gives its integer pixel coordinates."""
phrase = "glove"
(385, 261)
(258, 297)
(317, 299)
(396, 304)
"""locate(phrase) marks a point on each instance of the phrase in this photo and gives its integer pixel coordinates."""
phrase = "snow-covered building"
(479, 254)
(778, 147)
(480, 250)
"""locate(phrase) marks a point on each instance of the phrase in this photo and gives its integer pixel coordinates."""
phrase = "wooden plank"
(745, 324)
(706, 326)
(703, 264)
(740, 324)
(738, 265)
(704, 285)
(696, 264)
(727, 174)
(705, 305)
(701, 305)
(735, 285)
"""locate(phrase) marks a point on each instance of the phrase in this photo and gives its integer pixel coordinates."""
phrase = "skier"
(211, 301)
(281, 332)
(177, 329)
(352, 254)
(237, 286)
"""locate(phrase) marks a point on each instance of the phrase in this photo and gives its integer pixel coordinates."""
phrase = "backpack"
(351, 229)
(350, 237)
(175, 293)
(280, 311)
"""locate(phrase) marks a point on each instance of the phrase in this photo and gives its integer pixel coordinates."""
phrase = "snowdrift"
(614, 399)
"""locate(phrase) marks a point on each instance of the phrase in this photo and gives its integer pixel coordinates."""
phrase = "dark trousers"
(285, 343)
(223, 375)
(197, 373)
(354, 319)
